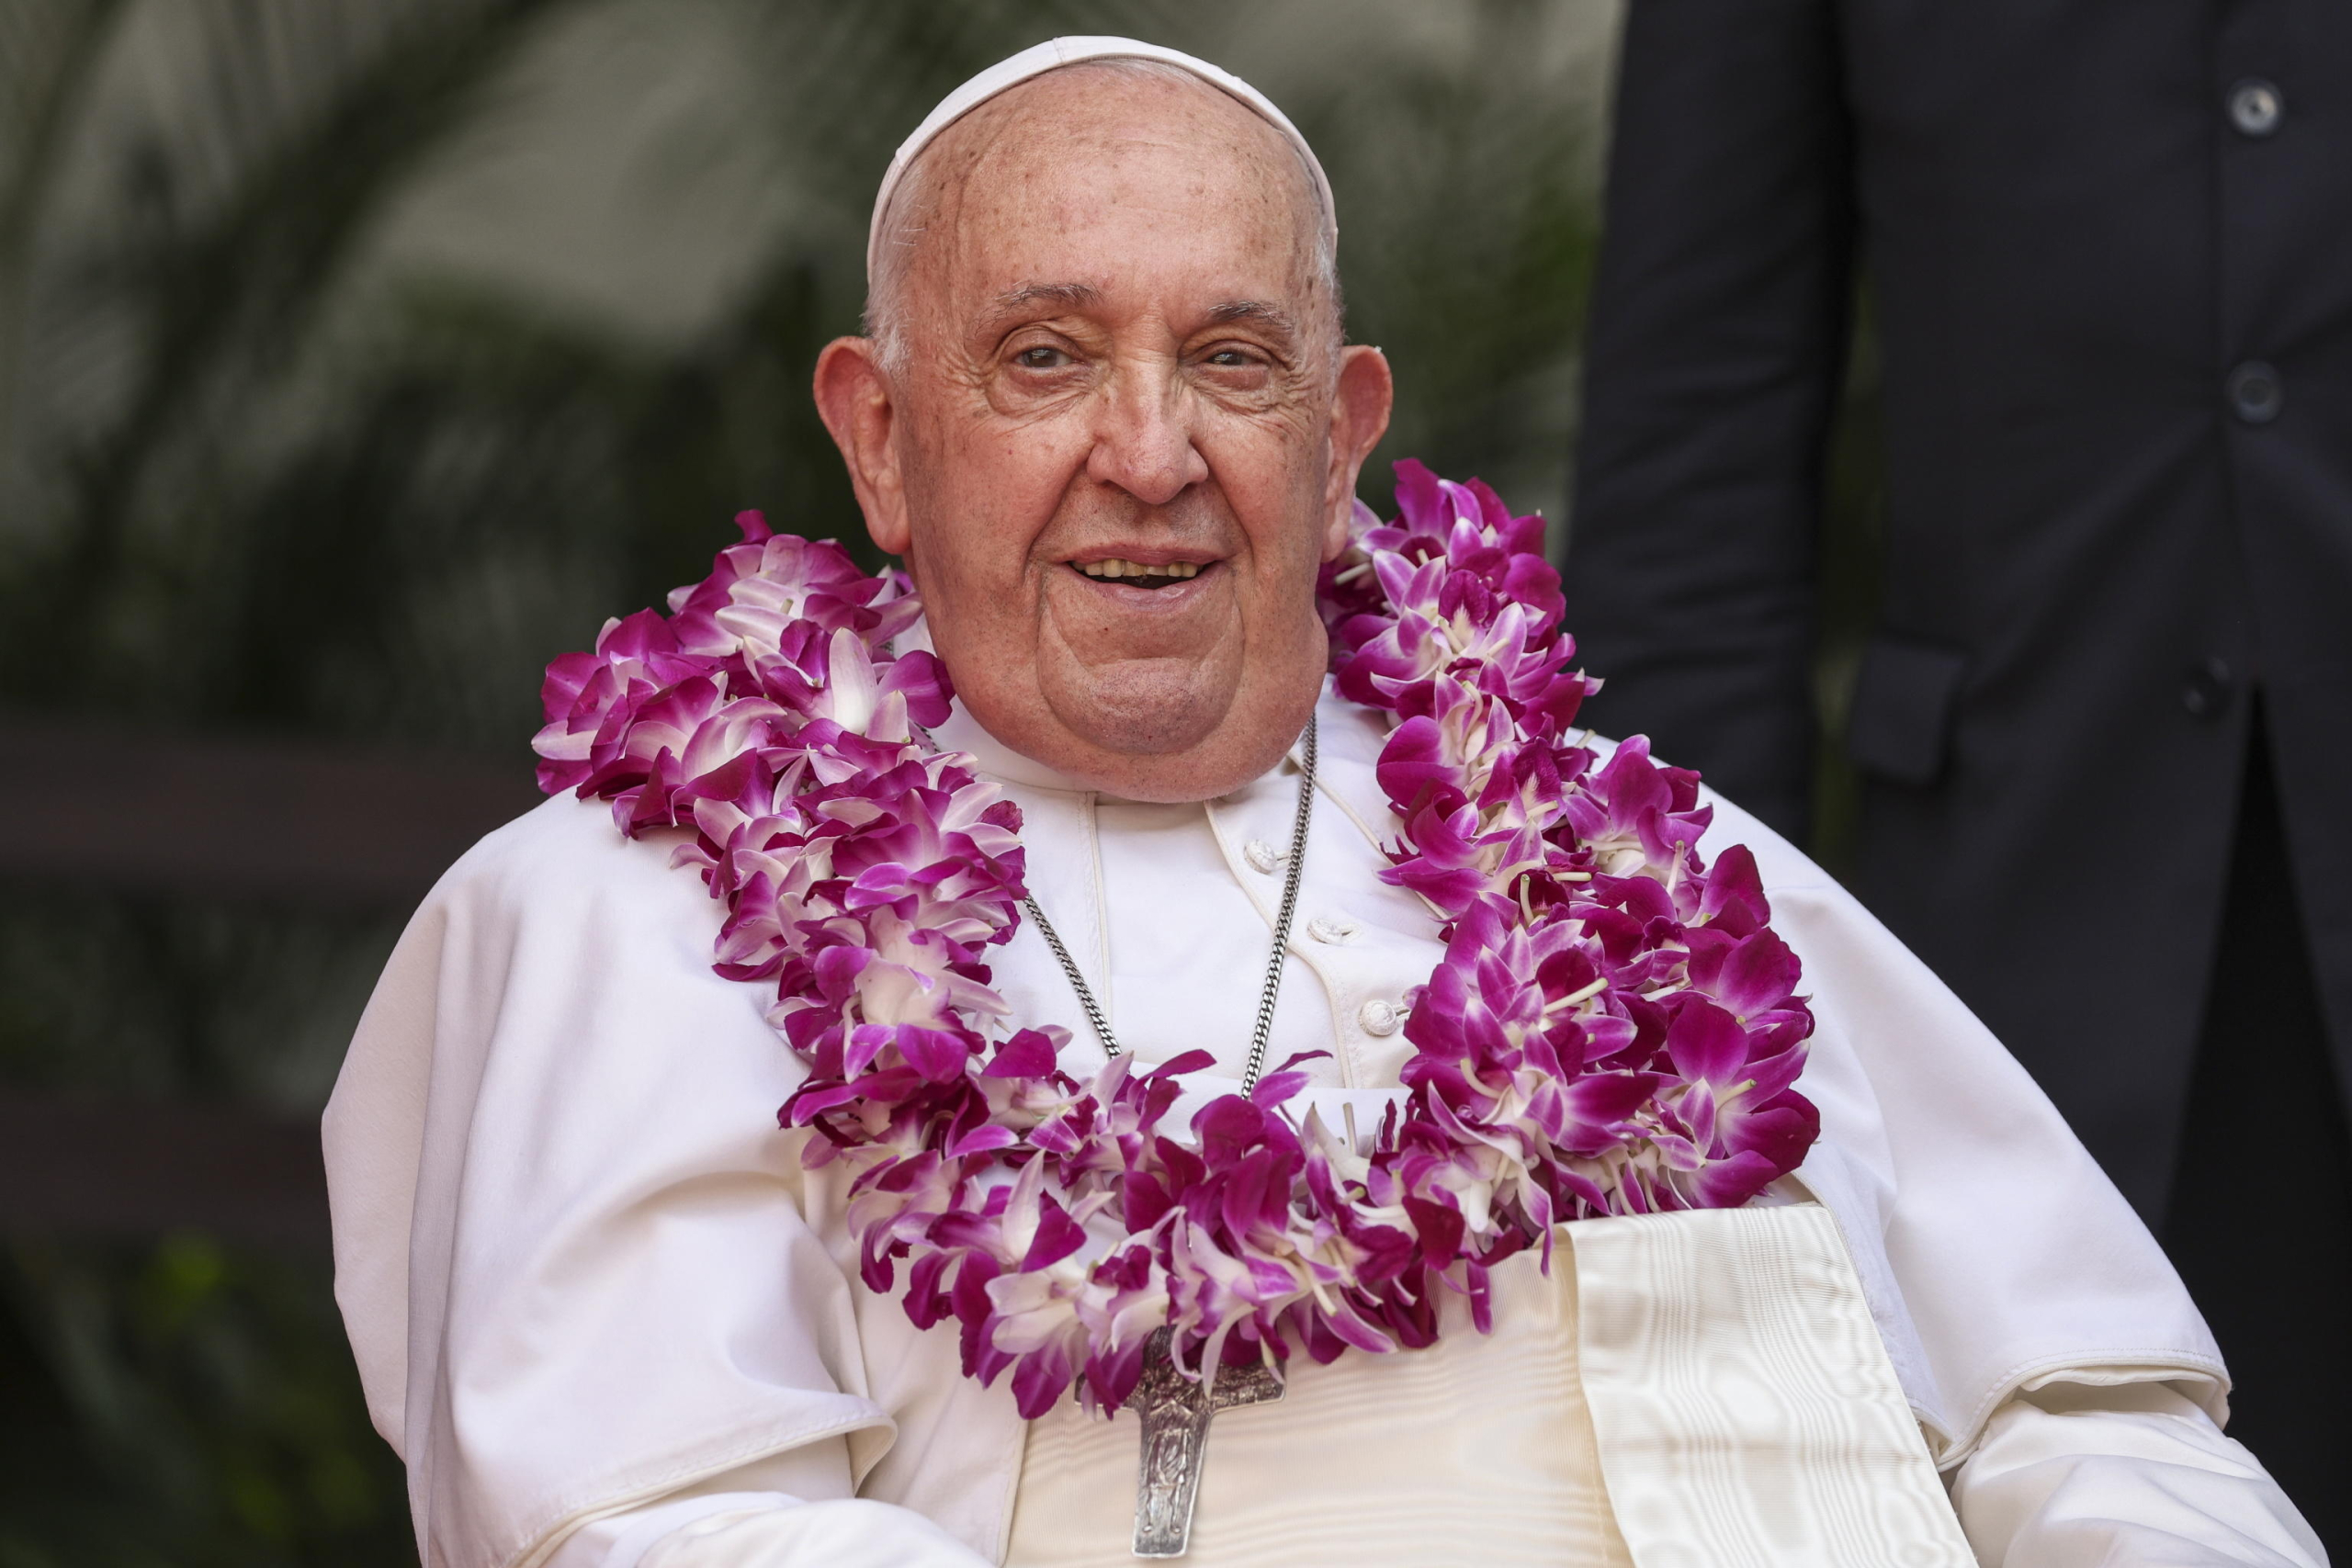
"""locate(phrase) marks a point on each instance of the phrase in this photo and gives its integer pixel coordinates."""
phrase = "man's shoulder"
(1352, 736)
(569, 855)
(1780, 864)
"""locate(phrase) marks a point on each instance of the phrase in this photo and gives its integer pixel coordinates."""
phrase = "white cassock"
(609, 1322)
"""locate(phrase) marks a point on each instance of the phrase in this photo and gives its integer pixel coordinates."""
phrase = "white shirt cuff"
(2069, 1476)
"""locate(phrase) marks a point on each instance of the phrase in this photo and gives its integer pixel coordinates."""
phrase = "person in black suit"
(2105, 725)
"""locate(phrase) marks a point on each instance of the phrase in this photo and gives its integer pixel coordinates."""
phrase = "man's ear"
(1360, 406)
(853, 398)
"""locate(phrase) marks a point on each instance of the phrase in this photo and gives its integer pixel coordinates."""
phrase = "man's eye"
(1042, 357)
(1230, 359)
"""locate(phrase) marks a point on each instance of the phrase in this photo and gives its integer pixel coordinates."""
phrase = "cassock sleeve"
(743, 1520)
(853, 1534)
(568, 1244)
(2070, 1475)
(1713, 360)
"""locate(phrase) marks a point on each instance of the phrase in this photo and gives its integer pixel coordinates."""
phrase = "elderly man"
(1506, 1143)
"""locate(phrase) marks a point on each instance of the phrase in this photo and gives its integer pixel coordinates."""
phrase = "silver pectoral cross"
(1175, 1410)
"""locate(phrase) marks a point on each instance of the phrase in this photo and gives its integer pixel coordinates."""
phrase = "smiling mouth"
(1135, 574)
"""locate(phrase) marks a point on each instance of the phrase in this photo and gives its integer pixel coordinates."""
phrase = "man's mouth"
(1138, 574)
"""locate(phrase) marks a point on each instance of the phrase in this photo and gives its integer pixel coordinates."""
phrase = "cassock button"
(1261, 855)
(2206, 690)
(2257, 107)
(2255, 393)
(1380, 1017)
(1332, 928)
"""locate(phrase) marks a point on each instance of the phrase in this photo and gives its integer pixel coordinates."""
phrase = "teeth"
(1114, 568)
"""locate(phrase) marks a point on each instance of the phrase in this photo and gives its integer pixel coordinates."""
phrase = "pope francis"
(1154, 1033)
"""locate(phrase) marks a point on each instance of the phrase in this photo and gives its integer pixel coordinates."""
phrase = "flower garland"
(1612, 1029)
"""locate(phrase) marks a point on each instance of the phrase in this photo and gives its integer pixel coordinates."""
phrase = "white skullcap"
(1051, 55)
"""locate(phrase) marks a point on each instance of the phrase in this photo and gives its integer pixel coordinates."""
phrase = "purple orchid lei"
(1612, 1031)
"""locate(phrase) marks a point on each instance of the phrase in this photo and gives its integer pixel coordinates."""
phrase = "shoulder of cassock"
(554, 1143)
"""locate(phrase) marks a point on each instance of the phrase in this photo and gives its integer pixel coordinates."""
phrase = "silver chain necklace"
(1273, 962)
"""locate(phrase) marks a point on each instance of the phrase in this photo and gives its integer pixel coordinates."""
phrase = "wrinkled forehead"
(1088, 170)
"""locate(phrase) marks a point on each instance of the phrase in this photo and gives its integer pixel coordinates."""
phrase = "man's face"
(1123, 437)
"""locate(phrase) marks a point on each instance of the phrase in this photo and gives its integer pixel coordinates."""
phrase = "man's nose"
(1143, 440)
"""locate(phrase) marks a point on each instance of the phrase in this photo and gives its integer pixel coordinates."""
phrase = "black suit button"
(2255, 393)
(2257, 107)
(2206, 690)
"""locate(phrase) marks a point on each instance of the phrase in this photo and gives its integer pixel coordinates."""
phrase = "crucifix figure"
(1175, 1411)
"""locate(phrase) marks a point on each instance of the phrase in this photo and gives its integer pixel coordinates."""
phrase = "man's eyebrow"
(1070, 296)
(1273, 318)
(1080, 296)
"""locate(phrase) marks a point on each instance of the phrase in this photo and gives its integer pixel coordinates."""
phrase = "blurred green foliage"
(183, 1404)
(275, 459)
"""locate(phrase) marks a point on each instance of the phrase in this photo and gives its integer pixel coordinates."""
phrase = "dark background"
(355, 358)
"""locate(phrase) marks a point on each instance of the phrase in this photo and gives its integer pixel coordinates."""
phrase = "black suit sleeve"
(1716, 344)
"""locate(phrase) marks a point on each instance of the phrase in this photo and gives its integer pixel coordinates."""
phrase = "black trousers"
(2260, 1222)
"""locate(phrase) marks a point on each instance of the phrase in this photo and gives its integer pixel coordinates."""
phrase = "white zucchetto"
(1052, 55)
